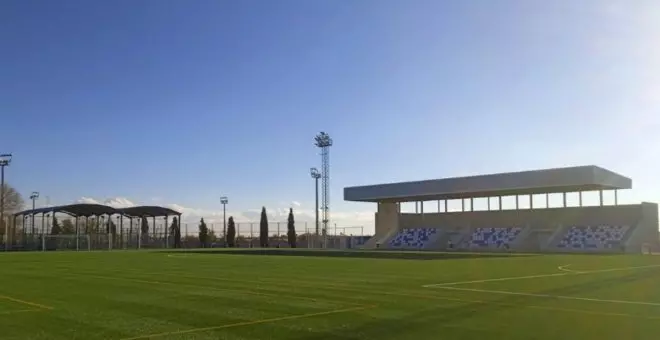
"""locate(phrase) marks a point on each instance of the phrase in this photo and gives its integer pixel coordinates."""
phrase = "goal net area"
(65, 242)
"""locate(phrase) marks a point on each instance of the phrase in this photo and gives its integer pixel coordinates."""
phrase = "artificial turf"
(324, 295)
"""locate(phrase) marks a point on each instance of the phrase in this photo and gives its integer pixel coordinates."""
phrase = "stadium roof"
(572, 179)
(99, 209)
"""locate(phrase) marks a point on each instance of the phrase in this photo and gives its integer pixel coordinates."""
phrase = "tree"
(145, 228)
(13, 202)
(111, 227)
(231, 232)
(68, 227)
(55, 229)
(203, 233)
(263, 229)
(175, 232)
(291, 229)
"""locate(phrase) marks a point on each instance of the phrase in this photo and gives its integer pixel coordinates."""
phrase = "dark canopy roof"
(99, 209)
(73, 209)
(150, 211)
(580, 178)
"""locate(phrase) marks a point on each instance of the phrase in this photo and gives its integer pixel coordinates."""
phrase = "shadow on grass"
(373, 254)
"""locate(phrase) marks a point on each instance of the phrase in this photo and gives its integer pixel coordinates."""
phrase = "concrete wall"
(387, 223)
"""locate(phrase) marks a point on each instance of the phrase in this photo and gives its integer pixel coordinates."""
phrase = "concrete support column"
(471, 204)
(580, 199)
(517, 201)
(438, 206)
(600, 198)
(488, 203)
(416, 208)
(531, 202)
(547, 200)
(499, 206)
(445, 205)
(463, 204)
(616, 197)
(564, 200)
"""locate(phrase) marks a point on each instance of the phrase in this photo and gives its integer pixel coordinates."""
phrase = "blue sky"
(179, 102)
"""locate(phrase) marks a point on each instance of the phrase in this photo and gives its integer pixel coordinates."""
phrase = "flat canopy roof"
(571, 179)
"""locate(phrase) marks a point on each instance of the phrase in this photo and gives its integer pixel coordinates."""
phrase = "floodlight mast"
(34, 196)
(324, 142)
(5, 160)
(316, 175)
(224, 200)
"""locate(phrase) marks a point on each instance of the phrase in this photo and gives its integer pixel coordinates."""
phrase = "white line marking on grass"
(554, 296)
(493, 280)
(564, 268)
(566, 272)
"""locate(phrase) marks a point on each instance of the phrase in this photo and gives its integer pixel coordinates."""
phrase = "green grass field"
(159, 295)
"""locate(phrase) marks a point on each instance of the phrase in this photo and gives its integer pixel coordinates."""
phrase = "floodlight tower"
(316, 175)
(224, 200)
(5, 160)
(34, 196)
(324, 142)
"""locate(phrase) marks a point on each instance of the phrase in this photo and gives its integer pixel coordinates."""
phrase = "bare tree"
(13, 202)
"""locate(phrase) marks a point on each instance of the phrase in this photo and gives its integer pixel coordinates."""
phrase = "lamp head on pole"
(34, 195)
(224, 200)
(5, 159)
(322, 140)
(315, 173)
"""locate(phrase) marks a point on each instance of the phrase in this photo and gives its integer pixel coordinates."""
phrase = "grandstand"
(604, 227)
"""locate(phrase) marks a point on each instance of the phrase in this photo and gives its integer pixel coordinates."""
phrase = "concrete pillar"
(547, 200)
(438, 206)
(416, 208)
(580, 199)
(616, 197)
(564, 200)
(488, 203)
(600, 198)
(517, 202)
(445, 205)
(499, 206)
(462, 204)
(531, 202)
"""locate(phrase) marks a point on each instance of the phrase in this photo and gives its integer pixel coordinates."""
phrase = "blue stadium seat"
(416, 238)
(494, 237)
(593, 237)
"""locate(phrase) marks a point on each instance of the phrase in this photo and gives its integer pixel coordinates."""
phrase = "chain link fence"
(100, 235)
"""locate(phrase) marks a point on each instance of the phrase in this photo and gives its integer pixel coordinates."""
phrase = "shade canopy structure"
(73, 210)
(147, 211)
(87, 210)
(558, 180)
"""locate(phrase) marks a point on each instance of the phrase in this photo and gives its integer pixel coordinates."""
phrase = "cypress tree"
(291, 229)
(263, 229)
(231, 232)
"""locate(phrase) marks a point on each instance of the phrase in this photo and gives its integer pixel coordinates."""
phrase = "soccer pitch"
(204, 295)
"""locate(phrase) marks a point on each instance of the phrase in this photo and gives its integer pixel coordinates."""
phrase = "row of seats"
(593, 237)
(413, 238)
(494, 237)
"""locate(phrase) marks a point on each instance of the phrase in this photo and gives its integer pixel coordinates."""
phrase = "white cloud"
(115, 202)
(295, 204)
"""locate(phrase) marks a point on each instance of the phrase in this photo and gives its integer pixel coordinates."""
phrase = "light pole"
(5, 160)
(316, 175)
(224, 200)
(33, 197)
